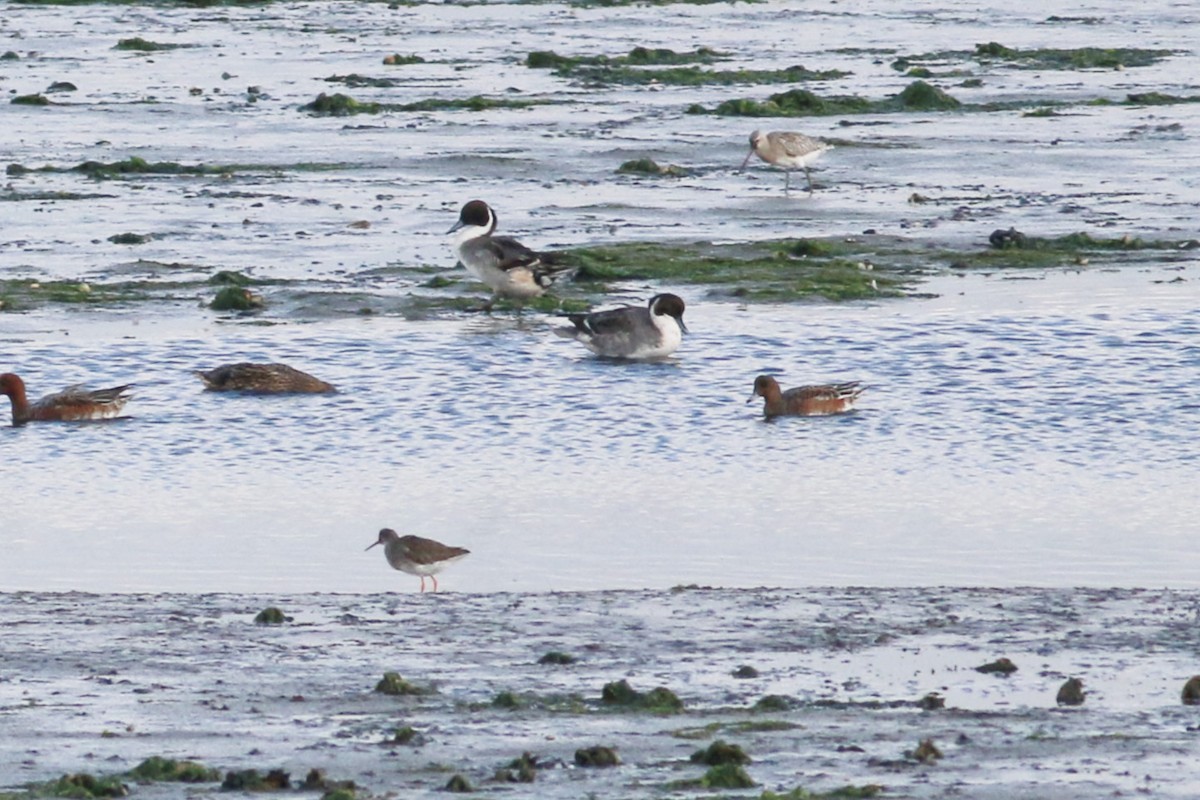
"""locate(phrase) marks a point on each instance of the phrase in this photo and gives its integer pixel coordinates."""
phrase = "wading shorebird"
(261, 379)
(804, 401)
(652, 332)
(509, 268)
(788, 150)
(418, 556)
(73, 403)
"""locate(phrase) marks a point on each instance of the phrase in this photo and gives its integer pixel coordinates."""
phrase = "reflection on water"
(1003, 439)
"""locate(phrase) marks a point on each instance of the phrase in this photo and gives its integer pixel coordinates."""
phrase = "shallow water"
(1031, 428)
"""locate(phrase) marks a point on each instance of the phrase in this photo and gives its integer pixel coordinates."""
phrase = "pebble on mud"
(1191, 691)
(1001, 666)
(1070, 693)
(745, 672)
(597, 756)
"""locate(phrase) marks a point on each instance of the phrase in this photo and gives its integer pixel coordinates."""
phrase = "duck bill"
(750, 399)
(683, 327)
(455, 227)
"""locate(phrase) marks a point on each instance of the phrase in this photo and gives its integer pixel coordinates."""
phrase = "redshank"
(418, 556)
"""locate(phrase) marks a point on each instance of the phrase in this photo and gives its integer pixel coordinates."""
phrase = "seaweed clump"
(917, 96)
(250, 780)
(657, 701)
(648, 166)
(391, 683)
(841, 793)
(522, 769)
(727, 776)
(921, 96)
(271, 616)
(597, 756)
(1001, 666)
(235, 298)
(83, 785)
(339, 105)
(157, 768)
(397, 60)
(458, 783)
(721, 752)
(141, 45)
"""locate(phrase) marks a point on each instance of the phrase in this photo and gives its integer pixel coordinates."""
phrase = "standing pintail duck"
(261, 379)
(788, 150)
(804, 401)
(655, 331)
(509, 268)
(418, 556)
(73, 403)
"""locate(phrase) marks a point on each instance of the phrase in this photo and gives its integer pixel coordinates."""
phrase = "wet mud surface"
(828, 695)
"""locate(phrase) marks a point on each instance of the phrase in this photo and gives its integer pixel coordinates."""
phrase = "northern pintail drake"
(788, 150)
(631, 332)
(418, 556)
(807, 401)
(261, 379)
(509, 268)
(73, 403)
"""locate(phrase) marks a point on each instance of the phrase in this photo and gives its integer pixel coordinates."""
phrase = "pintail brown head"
(670, 305)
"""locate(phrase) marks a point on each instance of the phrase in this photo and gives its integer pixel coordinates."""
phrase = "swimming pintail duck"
(509, 268)
(73, 403)
(788, 150)
(631, 332)
(831, 398)
(261, 379)
(418, 556)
